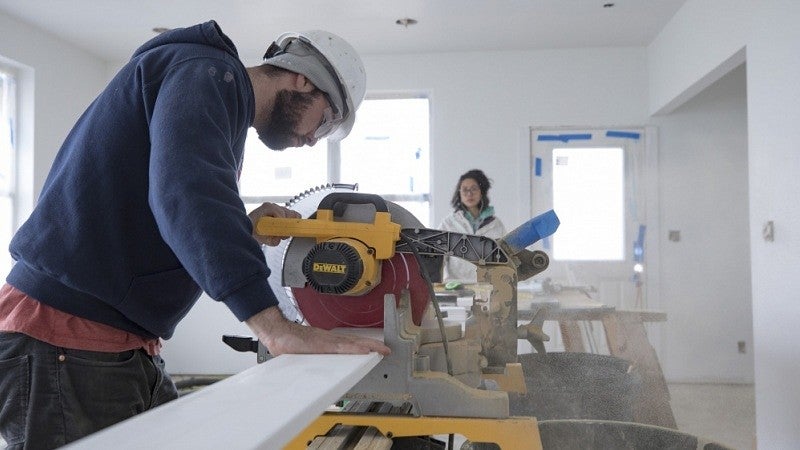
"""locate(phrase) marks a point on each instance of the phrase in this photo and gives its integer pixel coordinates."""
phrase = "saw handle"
(352, 198)
(241, 343)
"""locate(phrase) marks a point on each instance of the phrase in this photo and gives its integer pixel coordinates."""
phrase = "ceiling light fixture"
(608, 5)
(406, 21)
(159, 30)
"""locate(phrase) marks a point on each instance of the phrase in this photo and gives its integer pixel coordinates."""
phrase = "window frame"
(334, 176)
(12, 190)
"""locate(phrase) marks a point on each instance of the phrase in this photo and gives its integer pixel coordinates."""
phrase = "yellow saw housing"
(347, 257)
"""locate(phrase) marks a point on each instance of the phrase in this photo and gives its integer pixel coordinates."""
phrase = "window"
(387, 153)
(8, 202)
(275, 176)
(588, 188)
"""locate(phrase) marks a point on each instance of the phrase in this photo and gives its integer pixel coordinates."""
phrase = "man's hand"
(280, 336)
(270, 210)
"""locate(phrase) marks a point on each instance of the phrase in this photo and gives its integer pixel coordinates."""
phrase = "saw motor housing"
(342, 266)
(346, 259)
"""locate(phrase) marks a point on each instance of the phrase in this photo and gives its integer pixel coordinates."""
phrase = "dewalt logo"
(329, 268)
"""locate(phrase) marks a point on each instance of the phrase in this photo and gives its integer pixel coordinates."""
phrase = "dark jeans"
(51, 396)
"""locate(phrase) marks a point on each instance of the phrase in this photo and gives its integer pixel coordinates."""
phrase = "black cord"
(434, 301)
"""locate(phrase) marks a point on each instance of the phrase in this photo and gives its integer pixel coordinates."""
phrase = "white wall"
(197, 347)
(697, 47)
(773, 96)
(481, 101)
(768, 30)
(58, 82)
(705, 277)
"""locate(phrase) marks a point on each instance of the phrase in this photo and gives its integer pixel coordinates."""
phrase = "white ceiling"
(112, 29)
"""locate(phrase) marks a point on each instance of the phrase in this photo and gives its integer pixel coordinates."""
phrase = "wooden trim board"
(263, 407)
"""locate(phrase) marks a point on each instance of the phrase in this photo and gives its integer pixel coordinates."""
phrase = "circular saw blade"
(400, 272)
(306, 204)
(305, 305)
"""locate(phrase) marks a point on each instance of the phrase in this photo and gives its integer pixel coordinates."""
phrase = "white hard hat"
(331, 64)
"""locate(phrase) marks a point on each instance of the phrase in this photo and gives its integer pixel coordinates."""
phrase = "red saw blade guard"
(329, 311)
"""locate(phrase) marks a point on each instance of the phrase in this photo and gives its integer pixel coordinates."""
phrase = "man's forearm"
(280, 336)
(267, 323)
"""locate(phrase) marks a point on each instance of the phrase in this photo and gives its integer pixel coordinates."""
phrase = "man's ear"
(303, 84)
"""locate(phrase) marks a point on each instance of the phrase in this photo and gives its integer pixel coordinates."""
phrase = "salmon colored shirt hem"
(22, 314)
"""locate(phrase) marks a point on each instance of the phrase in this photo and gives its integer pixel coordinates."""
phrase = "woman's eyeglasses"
(472, 190)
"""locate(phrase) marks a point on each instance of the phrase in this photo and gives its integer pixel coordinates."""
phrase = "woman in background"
(471, 215)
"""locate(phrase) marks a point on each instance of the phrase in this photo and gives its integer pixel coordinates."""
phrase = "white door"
(594, 179)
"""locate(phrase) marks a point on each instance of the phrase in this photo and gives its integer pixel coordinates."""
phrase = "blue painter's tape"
(537, 167)
(563, 137)
(638, 245)
(623, 134)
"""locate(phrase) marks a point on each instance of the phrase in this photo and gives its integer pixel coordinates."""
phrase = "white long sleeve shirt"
(457, 269)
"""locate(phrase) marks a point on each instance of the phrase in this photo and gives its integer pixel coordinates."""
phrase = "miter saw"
(356, 261)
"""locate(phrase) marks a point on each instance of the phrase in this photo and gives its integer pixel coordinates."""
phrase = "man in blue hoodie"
(141, 213)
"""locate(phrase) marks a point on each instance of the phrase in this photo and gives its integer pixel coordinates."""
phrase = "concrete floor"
(722, 413)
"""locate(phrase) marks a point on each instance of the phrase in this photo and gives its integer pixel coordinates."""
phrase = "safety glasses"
(330, 121)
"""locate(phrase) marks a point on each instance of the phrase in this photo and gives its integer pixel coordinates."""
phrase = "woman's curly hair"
(483, 183)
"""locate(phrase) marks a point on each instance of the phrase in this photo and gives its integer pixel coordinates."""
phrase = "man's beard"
(279, 130)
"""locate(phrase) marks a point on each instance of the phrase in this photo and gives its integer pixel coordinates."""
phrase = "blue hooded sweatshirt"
(141, 210)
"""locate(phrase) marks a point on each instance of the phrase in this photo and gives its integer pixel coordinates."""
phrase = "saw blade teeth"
(305, 202)
(314, 190)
